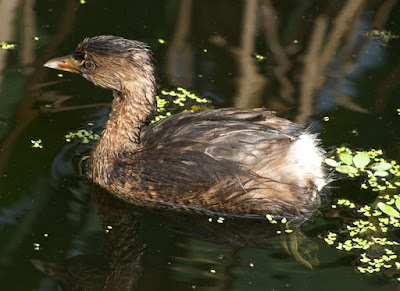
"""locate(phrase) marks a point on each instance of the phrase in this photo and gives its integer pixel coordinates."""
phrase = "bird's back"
(224, 160)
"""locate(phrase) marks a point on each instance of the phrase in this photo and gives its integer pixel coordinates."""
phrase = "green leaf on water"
(381, 166)
(388, 210)
(344, 169)
(381, 174)
(360, 160)
(331, 162)
(346, 158)
(398, 203)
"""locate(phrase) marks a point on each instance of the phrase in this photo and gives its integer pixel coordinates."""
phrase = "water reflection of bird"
(120, 263)
(227, 160)
(118, 266)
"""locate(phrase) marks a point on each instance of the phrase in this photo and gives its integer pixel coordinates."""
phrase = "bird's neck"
(121, 134)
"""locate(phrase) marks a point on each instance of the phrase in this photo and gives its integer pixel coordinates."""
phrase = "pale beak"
(66, 63)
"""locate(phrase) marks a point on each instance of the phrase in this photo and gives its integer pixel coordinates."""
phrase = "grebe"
(223, 160)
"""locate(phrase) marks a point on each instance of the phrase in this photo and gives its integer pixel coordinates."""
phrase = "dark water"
(318, 61)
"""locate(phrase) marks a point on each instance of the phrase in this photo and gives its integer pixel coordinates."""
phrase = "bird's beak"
(67, 63)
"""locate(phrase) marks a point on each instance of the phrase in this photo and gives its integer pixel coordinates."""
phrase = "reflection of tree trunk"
(26, 111)
(250, 82)
(27, 53)
(341, 27)
(320, 55)
(8, 10)
(179, 65)
(383, 13)
(283, 65)
(379, 22)
(392, 79)
(312, 77)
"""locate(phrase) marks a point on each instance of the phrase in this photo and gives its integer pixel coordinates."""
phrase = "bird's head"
(110, 62)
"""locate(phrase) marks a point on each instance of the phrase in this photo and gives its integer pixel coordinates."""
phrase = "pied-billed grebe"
(225, 160)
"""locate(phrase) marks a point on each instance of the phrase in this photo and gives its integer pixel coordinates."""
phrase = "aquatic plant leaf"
(331, 162)
(381, 166)
(360, 160)
(389, 210)
(346, 158)
(345, 169)
(381, 174)
(398, 203)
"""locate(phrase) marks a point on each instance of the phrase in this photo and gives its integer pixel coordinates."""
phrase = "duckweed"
(259, 57)
(37, 143)
(84, 135)
(270, 218)
(6, 46)
(220, 219)
(370, 163)
(384, 36)
(176, 101)
(370, 234)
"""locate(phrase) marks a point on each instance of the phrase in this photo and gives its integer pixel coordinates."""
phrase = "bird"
(223, 161)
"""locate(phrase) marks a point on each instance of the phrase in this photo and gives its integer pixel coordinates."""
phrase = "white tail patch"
(308, 157)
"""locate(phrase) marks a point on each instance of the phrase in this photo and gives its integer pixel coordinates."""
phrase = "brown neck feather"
(121, 134)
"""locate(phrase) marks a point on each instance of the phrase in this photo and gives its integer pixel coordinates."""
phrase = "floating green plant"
(389, 210)
(37, 143)
(383, 36)
(370, 234)
(176, 101)
(84, 135)
(370, 162)
(259, 57)
(6, 46)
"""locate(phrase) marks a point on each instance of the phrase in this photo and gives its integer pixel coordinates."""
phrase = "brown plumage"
(225, 160)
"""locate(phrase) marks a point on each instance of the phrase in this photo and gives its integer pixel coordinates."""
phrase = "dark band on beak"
(67, 63)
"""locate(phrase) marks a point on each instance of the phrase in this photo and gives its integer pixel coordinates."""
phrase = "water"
(316, 61)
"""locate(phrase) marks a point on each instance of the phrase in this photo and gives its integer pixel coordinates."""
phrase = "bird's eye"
(89, 65)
